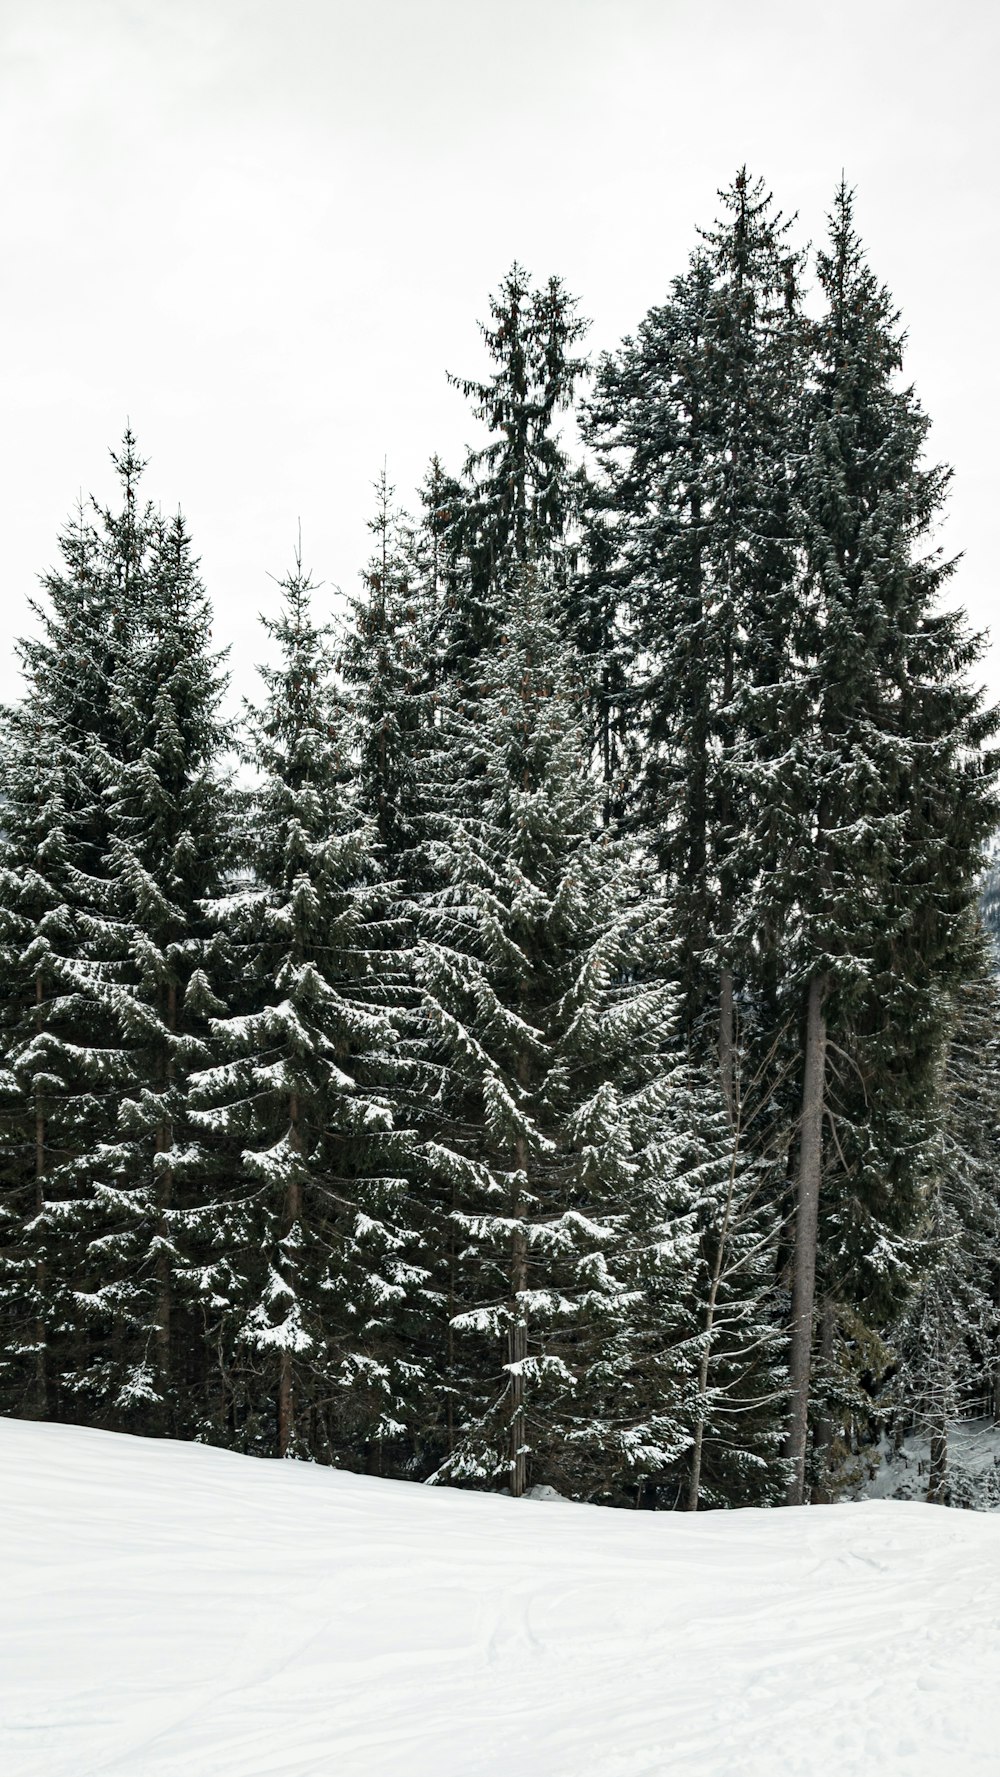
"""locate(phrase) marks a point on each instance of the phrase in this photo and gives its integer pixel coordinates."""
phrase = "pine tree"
(886, 798)
(394, 661)
(65, 1063)
(391, 658)
(690, 420)
(546, 967)
(168, 853)
(515, 503)
(310, 1263)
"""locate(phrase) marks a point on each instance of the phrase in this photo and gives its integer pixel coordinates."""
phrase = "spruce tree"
(310, 1263)
(885, 799)
(394, 659)
(515, 503)
(168, 853)
(391, 660)
(545, 963)
(66, 1063)
(691, 422)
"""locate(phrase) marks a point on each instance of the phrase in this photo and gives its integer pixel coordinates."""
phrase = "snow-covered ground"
(166, 1608)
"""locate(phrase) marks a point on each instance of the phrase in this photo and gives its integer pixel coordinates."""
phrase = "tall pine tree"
(886, 797)
(691, 422)
(515, 503)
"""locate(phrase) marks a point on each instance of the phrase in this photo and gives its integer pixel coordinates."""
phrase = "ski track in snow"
(167, 1610)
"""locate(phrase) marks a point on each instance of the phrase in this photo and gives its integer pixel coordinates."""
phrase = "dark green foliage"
(111, 846)
(691, 420)
(309, 1263)
(571, 1182)
(514, 505)
(392, 659)
(170, 808)
(38, 1025)
(65, 1062)
(885, 772)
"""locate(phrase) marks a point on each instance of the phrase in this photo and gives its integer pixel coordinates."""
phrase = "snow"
(973, 1466)
(170, 1609)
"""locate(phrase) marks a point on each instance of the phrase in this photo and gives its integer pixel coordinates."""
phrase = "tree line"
(564, 1048)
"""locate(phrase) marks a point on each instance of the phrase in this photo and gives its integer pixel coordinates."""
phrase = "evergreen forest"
(552, 1037)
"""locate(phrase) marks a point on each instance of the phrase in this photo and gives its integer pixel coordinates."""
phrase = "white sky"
(265, 231)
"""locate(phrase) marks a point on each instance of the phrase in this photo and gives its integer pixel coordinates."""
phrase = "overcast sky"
(264, 231)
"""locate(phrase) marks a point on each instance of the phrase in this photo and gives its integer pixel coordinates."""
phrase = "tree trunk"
(604, 726)
(806, 1232)
(41, 1165)
(937, 1481)
(450, 1333)
(824, 1426)
(286, 1425)
(293, 1211)
(704, 1364)
(727, 1043)
(164, 1270)
(694, 1478)
(164, 1200)
(518, 1337)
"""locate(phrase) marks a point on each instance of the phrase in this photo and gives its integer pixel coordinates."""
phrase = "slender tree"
(888, 799)
(691, 422)
(515, 503)
(391, 659)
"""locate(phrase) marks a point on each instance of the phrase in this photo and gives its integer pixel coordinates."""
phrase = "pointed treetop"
(129, 465)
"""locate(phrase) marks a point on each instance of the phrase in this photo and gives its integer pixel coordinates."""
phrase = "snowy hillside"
(168, 1609)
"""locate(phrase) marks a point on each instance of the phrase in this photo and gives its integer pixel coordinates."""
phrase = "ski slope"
(169, 1609)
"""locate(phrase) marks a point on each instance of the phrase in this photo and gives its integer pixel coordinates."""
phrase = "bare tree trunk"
(165, 1198)
(285, 1419)
(697, 1448)
(293, 1210)
(806, 1234)
(450, 1334)
(164, 1270)
(518, 1336)
(727, 1043)
(824, 1426)
(937, 1481)
(704, 1363)
(41, 1167)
